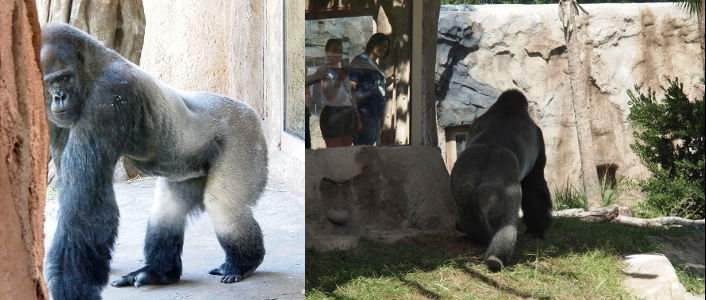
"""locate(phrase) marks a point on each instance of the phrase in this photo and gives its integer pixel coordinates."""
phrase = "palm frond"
(691, 6)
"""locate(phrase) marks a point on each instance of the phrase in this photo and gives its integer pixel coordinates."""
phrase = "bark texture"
(430, 26)
(23, 153)
(578, 78)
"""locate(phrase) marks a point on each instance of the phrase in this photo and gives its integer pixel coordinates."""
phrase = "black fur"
(208, 149)
(501, 170)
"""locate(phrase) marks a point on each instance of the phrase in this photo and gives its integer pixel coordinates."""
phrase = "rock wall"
(485, 49)
(354, 30)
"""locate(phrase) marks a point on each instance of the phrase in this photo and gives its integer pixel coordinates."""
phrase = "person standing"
(336, 121)
(369, 82)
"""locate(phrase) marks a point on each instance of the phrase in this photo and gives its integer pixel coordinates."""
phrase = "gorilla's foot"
(147, 275)
(233, 273)
(494, 263)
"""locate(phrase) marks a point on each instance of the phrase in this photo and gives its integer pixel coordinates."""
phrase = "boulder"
(650, 276)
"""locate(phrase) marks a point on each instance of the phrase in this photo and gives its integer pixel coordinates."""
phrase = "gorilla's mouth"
(60, 114)
(62, 110)
(64, 117)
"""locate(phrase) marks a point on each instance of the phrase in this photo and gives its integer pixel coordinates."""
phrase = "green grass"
(577, 260)
(609, 194)
(573, 197)
(693, 283)
(569, 197)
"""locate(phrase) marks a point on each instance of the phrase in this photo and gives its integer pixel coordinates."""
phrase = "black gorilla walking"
(208, 150)
(501, 169)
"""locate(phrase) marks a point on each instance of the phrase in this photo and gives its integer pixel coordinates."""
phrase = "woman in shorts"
(336, 121)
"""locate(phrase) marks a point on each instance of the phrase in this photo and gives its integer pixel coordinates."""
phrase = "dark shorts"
(337, 121)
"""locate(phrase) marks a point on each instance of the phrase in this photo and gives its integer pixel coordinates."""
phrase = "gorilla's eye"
(65, 79)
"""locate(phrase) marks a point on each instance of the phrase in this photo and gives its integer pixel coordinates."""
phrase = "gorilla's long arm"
(79, 258)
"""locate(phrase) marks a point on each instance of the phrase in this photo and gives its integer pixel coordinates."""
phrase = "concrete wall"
(187, 44)
(375, 191)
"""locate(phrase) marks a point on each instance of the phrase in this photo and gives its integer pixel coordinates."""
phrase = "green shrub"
(670, 143)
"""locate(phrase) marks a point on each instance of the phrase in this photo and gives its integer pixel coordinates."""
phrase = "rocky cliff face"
(485, 49)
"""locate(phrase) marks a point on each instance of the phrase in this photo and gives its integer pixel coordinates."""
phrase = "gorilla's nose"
(60, 97)
(60, 103)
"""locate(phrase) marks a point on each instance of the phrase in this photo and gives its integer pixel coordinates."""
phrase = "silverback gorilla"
(501, 169)
(208, 151)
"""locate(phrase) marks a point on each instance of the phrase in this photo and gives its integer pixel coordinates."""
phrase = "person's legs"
(331, 126)
(371, 132)
(360, 137)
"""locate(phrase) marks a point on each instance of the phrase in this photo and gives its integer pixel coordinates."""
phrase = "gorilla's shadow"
(497, 285)
(326, 271)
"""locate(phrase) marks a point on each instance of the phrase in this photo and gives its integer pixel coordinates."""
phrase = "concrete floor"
(281, 275)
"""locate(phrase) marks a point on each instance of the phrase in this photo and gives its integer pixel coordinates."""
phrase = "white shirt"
(343, 98)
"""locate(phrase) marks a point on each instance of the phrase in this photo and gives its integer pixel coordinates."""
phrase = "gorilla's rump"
(485, 186)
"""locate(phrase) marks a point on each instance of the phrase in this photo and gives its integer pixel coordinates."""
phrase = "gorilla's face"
(62, 86)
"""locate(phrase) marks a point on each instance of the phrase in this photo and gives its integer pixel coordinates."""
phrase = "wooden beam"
(329, 9)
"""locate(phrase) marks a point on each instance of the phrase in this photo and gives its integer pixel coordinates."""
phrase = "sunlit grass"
(577, 260)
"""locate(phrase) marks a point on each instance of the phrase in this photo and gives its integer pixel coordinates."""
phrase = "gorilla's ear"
(80, 56)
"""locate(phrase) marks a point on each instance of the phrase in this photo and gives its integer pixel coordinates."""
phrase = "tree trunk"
(702, 37)
(624, 215)
(23, 153)
(430, 31)
(582, 114)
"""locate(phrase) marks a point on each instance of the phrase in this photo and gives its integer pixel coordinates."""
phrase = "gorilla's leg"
(231, 190)
(165, 232)
(242, 243)
(465, 178)
(501, 247)
(502, 207)
(499, 196)
(487, 194)
(472, 225)
(536, 200)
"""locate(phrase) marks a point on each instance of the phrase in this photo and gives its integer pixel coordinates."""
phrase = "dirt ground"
(281, 275)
